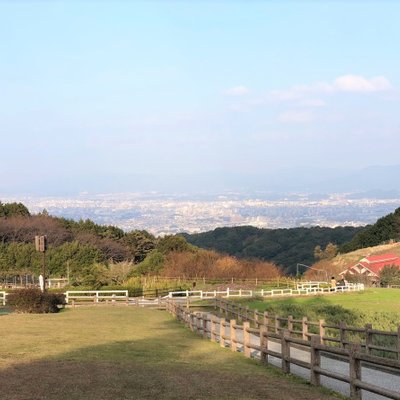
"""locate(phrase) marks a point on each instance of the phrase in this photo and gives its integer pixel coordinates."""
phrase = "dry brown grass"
(342, 261)
(127, 353)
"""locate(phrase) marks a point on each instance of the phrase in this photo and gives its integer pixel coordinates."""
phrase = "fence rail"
(241, 338)
(96, 296)
(306, 290)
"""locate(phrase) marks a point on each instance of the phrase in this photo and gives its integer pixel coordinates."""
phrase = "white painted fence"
(200, 294)
(96, 296)
(3, 298)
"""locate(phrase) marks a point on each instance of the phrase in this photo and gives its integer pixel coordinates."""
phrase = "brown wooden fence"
(215, 328)
(372, 341)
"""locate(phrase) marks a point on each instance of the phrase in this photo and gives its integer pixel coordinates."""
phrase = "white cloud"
(357, 83)
(296, 116)
(237, 91)
(345, 83)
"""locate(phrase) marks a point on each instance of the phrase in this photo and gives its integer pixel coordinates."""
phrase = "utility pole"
(41, 246)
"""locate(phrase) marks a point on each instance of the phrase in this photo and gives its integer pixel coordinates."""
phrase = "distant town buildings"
(163, 214)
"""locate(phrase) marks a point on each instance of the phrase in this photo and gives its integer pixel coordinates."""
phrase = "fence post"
(222, 322)
(277, 324)
(322, 330)
(198, 323)
(285, 351)
(264, 344)
(398, 342)
(355, 371)
(212, 329)
(342, 327)
(191, 327)
(232, 325)
(205, 336)
(290, 324)
(368, 338)
(266, 319)
(256, 322)
(315, 360)
(304, 328)
(246, 339)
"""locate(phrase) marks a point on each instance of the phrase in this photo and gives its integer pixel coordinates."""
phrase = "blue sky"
(93, 92)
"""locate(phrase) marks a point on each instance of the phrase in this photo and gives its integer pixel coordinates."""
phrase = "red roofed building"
(372, 266)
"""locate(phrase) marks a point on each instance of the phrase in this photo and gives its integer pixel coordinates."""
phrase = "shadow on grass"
(160, 367)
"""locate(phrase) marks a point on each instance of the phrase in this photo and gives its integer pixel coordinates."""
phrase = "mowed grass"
(127, 353)
(378, 306)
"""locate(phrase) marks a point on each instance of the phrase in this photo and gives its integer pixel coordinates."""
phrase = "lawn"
(381, 307)
(128, 353)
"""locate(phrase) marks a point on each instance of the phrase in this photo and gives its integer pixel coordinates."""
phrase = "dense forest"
(285, 247)
(384, 230)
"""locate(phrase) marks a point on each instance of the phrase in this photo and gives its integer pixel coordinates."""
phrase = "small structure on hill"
(370, 267)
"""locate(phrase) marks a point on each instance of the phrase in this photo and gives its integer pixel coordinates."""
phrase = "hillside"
(285, 247)
(385, 229)
(96, 255)
(344, 260)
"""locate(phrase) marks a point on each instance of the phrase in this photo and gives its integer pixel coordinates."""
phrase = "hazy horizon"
(196, 97)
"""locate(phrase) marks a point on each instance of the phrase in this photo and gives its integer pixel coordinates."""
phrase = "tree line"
(285, 247)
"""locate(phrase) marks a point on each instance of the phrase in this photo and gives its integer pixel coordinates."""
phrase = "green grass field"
(381, 307)
(128, 353)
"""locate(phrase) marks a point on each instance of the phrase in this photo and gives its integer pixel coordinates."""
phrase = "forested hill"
(384, 230)
(285, 247)
(79, 243)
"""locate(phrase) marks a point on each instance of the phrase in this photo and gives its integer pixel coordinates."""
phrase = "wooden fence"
(304, 289)
(239, 338)
(96, 296)
(340, 335)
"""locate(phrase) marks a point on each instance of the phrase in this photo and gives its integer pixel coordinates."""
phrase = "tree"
(140, 244)
(173, 243)
(390, 275)
(152, 264)
(330, 251)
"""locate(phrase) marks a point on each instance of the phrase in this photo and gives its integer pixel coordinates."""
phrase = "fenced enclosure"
(14, 280)
(309, 288)
(371, 341)
(309, 353)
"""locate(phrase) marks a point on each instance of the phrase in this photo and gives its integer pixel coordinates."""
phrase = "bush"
(33, 301)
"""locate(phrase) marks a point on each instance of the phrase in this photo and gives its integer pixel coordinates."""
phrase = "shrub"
(33, 301)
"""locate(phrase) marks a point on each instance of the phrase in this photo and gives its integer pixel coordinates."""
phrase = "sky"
(150, 95)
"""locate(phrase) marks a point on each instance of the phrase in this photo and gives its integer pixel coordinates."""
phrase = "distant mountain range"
(377, 181)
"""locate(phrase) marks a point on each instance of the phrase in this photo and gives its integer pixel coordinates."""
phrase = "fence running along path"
(260, 342)
(309, 288)
(340, 335)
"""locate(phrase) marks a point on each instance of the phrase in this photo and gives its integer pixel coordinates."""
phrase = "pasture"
(128, 353)
(378, 306)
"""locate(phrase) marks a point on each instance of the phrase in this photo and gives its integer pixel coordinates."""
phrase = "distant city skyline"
(163, 214)
(196, 96)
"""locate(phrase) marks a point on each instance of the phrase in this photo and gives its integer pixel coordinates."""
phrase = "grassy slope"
(127, 353)
(342, 261)
(378, 306)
